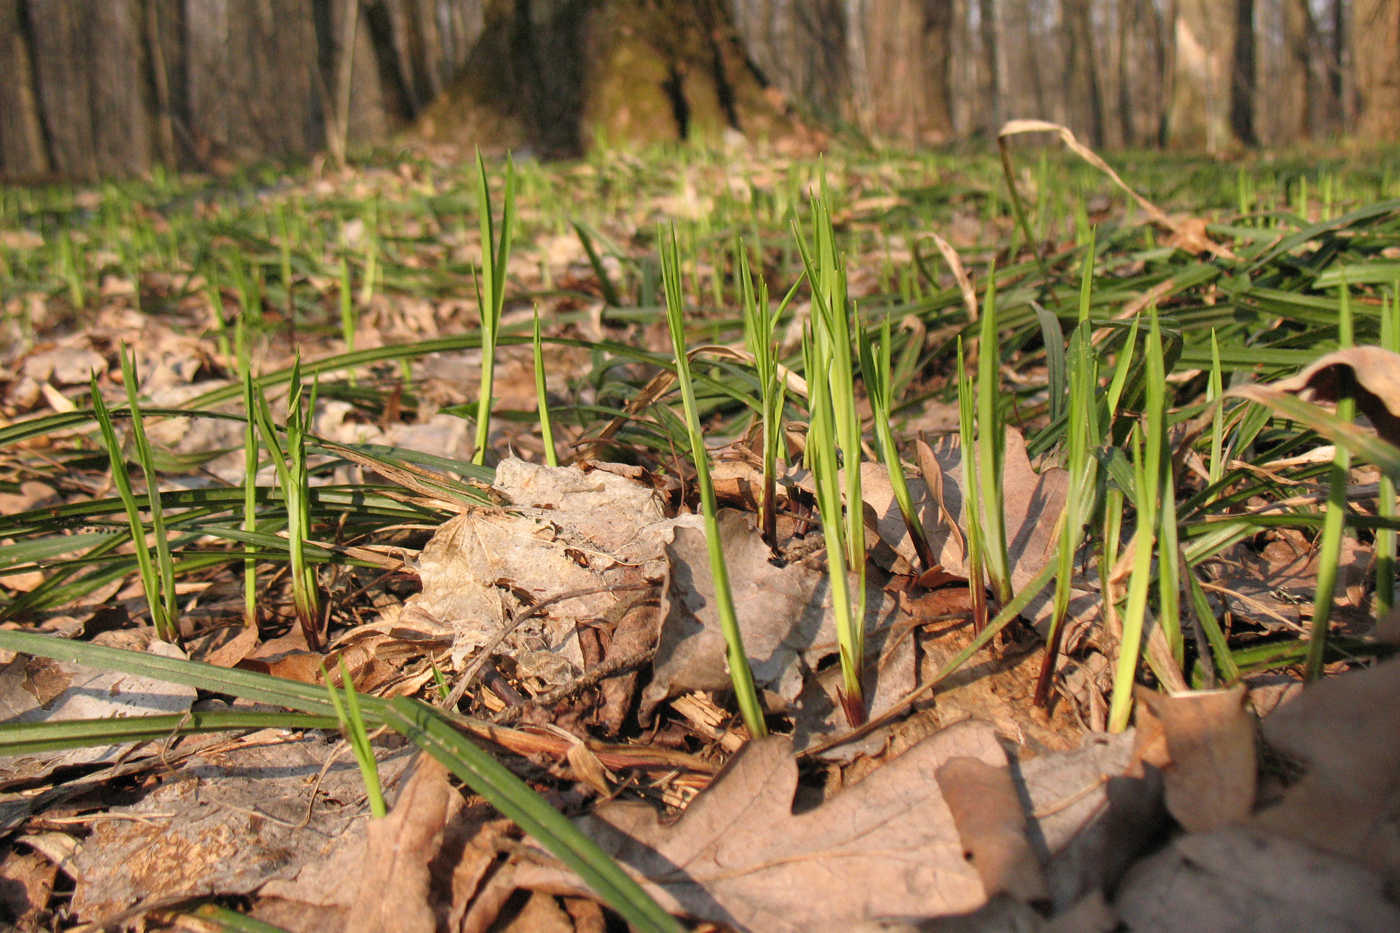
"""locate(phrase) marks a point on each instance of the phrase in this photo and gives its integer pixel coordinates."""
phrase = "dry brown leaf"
(1032, 503)
(1346, 731)
(231, 820)
(1374, 371)
(28, 880)
(1188, 233)
(992, 826)
(1210, 780)
(394, 876)
(885, 847)
(567, 531)
(1235, 880)
(784, 613)
(38, 690)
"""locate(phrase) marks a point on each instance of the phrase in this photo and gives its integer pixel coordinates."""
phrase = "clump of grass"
(834, 448)
(1334, 515)
(740, 674)
(1082, 430)
(760, 324)
(352, 725)
(991, 449)
(157, 572)
(490, 291)
(875, 367)
(293, 478)
(551, 457)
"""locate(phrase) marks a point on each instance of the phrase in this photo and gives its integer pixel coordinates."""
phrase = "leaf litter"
(1024, 818)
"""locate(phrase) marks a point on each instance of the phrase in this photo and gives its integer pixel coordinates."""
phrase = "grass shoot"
(740, 674)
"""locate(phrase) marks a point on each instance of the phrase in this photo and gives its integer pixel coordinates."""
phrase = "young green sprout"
(976, 567)
(490, 292)
(292, 476)
(250, 500)
(991, 448)
(1148, 442)
(740, 674)
(1385, 537)
(876, 369)
(834, 448)
(158, 572)
(352, 724)
(551, 458)
(1081, 429)
(760, 324)
(1334, 515)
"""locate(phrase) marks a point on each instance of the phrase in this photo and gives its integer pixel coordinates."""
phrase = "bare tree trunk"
(1300, 34)
(1081, 70)
(1376, 34)
(23, 152)
(1199, 115)
(1032, 60)
(65, 92)
(1243, 84)
(990, 91)
(1127, 20)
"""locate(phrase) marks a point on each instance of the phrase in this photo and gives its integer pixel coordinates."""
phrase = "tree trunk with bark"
(1202, 55)
(1243, 84)
(1082, 71)
(1376, 28)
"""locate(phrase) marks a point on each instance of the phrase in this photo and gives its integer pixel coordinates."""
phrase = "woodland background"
(96, 89)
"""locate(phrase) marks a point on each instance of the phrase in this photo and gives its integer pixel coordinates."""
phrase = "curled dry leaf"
(992, 826)
(1346, 733)
(1187, 233)
(1210, 771)
(394, 877)
(885, 847)
(1375, 374)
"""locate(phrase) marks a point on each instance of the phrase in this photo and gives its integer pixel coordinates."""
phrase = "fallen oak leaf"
(1373, 374)
(1210, 772)
(885, 847)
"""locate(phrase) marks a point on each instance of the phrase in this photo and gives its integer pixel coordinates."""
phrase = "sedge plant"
(1148, 445)
(1334, 513)
(1385, 537)
(740, 673)
(250, 500)
(834, 448)
(551, 458)
(157, 571)
(352, 726)
(1081, 428)
(877, 371)
(760, 324)
(289, 461)
(490, 291)
(976, 570)
(991, 448)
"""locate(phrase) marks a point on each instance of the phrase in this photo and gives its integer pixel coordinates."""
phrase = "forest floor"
(536, 651)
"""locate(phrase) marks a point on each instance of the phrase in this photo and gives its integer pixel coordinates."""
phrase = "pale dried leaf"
(1346, 732)
(784, 614)
(1237, 881)
(35, 690)
(230, 820)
